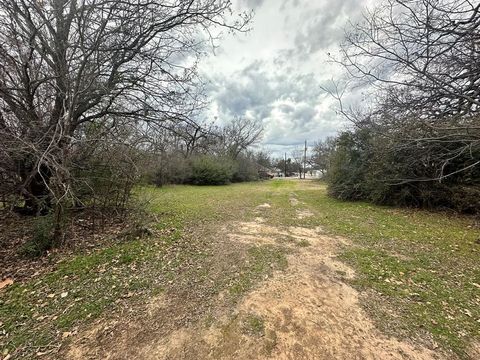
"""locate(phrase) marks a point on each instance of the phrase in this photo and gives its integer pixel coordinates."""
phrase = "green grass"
(422, 266)
(190, 204)
(81, 288)
(254, 324)
(34, 315)
(419, 268)
(262, 260)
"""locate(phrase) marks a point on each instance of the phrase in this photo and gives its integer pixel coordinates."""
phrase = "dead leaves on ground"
(5, 283)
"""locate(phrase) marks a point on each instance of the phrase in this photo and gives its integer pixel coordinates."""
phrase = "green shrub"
(42, 238)
(466, 198)
(209, 170)
(347, 174)
(375, 166)
(172, 169)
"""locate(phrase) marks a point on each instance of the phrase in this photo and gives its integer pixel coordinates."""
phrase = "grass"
(419, 269)
(262, 260)
(36, 315)
(422, 267)
(254, 324)
(35, 312)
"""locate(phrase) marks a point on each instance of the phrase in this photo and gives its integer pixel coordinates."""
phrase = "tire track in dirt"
(315, 315)
(307, 311)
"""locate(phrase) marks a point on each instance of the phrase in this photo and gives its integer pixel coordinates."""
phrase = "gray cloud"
(256, 90)
(253, 3)
(325, 26)
(288, 103)
(274, 73)
(287, 3)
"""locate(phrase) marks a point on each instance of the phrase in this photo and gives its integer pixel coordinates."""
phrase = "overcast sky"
(274, 72)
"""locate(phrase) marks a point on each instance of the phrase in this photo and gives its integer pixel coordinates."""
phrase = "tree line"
(90, 90)
(418, 141)
(98, 96)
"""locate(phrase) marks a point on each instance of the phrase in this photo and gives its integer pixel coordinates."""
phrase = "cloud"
(287, 3)
(274, 73)
(291, 106)
(324, 27)
(253, 3)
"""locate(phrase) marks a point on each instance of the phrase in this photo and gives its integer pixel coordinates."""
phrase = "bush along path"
(261, 270)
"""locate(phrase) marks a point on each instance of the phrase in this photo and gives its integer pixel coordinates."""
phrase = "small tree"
(322, 150)
(298, 161)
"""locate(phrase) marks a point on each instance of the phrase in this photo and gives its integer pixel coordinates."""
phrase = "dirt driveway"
(305, 311)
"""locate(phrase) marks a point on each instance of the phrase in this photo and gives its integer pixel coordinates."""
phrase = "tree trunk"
(58, 225)
(35, 190)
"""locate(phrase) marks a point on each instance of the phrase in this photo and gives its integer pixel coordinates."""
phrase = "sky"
(275, 72)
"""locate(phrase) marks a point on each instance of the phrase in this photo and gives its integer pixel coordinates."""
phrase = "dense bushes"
(348, 168)
(245, 169)
(367, 164)
(171, 169)
(416, 142)
(104, 178)
(205, 170)
(42, 238)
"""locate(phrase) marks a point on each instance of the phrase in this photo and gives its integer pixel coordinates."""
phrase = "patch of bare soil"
(474, 350)
(305, 312)
(317, 316)
(263, 206)
(293, 200)
(303, 214)
(308, 313)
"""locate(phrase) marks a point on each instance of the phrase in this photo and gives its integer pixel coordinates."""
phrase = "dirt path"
(305, 312)
(314, 314)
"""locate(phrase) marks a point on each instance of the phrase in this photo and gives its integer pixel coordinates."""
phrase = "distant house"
(264, 172)
(314, 173)
(279, 172)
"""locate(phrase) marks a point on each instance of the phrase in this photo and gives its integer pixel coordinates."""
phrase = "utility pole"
(285, 165)
(305, 161)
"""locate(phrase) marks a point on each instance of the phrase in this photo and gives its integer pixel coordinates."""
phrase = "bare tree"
(421, 58)
(321, 153)
(239, 134)
(428, 47)
(297, 157)
(264, 158)
(69, 67)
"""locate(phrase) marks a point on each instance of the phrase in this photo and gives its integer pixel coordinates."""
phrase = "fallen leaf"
(6, 282)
